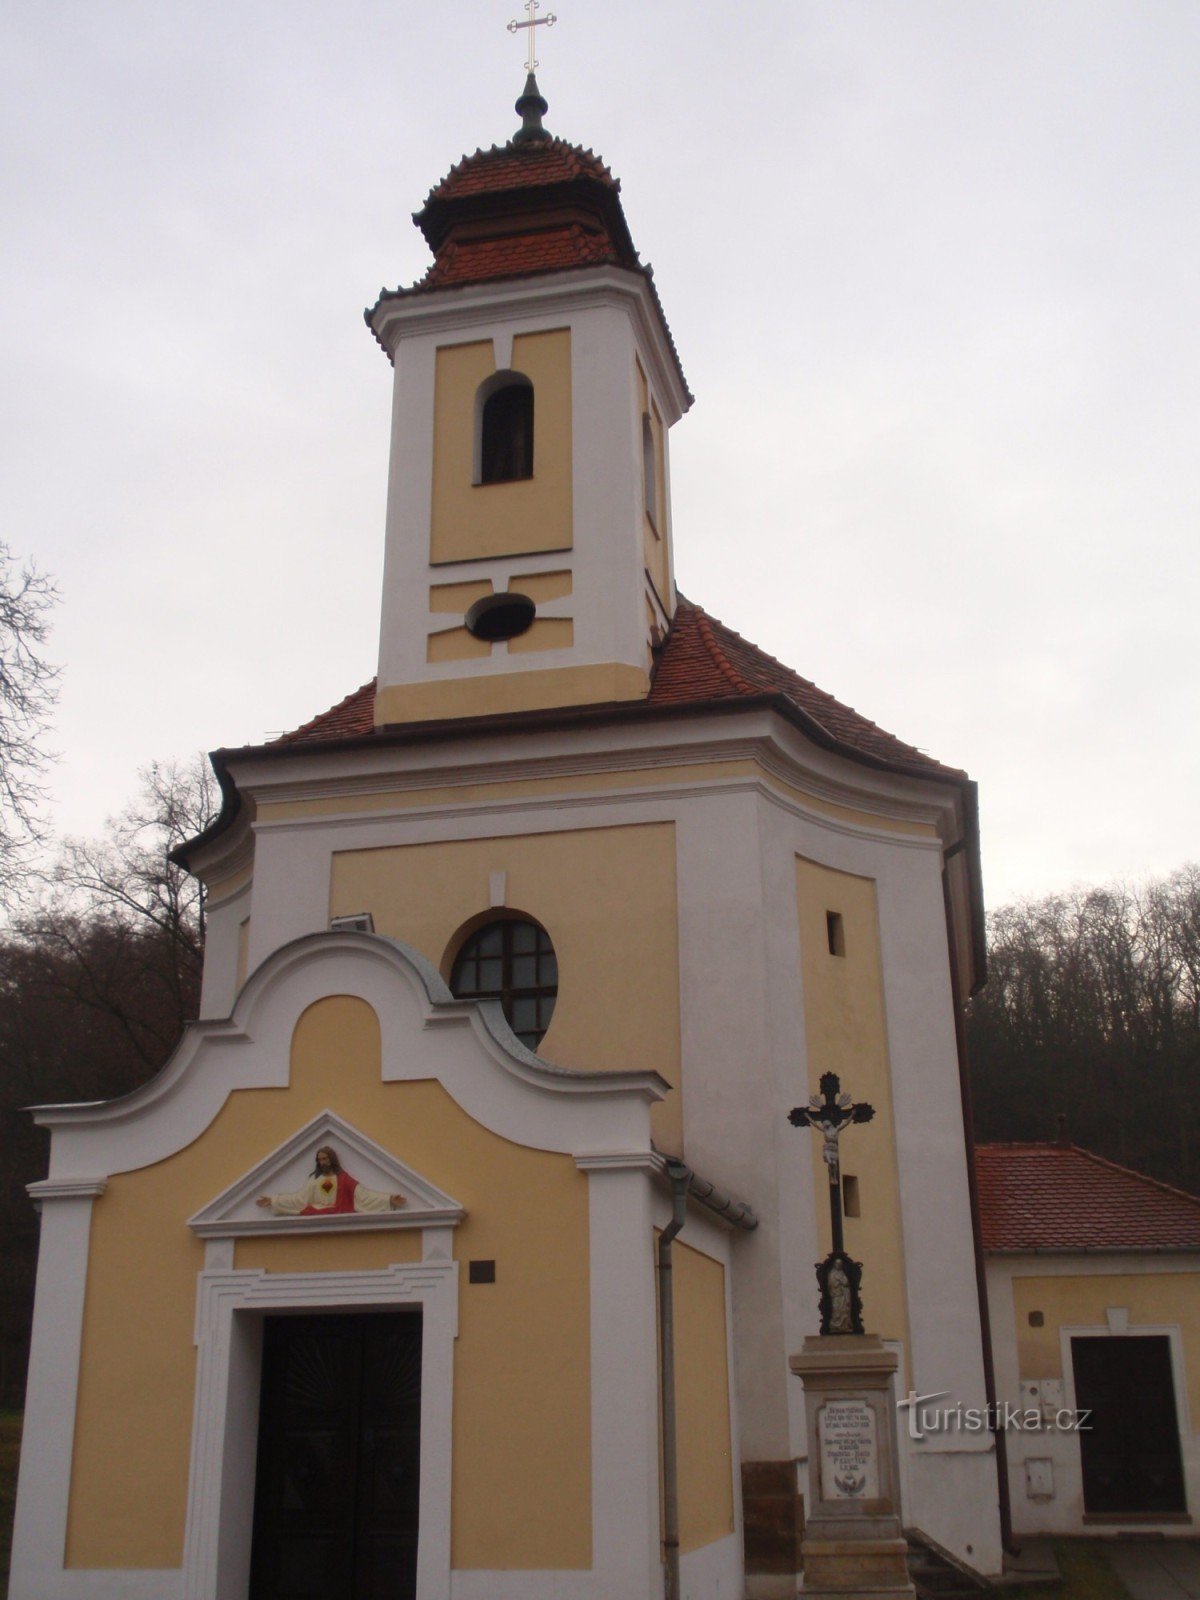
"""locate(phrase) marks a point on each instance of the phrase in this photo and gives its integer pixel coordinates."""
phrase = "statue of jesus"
(330, 1192)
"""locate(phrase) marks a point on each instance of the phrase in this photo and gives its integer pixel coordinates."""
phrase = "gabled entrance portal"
(337, 1487)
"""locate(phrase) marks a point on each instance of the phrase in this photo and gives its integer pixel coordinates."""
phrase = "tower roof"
(534, 205)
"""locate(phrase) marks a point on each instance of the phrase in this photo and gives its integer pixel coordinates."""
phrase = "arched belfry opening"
(504, 428)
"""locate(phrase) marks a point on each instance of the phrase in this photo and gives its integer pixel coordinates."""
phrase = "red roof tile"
(527, 207)
(1061, 1198)
(517, 255)
(702, 662)
(520, 166)
(349, 719)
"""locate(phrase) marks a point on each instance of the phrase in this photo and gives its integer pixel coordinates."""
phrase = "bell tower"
(528, 546)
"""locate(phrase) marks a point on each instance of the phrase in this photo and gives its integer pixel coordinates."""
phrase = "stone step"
(934, 1577)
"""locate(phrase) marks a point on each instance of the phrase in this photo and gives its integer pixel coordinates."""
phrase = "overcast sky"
(931, 265)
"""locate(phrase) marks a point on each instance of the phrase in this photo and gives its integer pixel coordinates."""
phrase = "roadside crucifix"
(531, 22)
(829, 1114)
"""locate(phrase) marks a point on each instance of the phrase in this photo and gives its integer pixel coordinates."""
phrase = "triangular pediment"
(286, 1170)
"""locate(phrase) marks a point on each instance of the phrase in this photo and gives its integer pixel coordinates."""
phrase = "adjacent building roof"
(701, 663)
(1057, 1197)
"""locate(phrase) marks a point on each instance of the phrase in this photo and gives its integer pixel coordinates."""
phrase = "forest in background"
(1091, 1011)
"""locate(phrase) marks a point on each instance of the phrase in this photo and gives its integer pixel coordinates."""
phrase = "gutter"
(985, 1322)
(1095, 1250)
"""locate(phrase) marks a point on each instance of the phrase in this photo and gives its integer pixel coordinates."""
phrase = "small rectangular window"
(481, 1272)
(835, 933)
(850, 1202)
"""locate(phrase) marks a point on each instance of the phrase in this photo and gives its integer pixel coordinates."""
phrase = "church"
(459, 1251)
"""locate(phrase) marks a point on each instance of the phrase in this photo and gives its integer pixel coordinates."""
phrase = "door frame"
(1118, 1326)
(230, 1308)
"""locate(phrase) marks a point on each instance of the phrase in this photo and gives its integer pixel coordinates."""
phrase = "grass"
(1085, 1574)
(10, 1445)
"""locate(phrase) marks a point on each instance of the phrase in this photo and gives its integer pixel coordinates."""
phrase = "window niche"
(649, 471)
(504, 429)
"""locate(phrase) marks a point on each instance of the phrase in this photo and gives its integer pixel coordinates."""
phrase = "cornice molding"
(469, 307)
(65, 1189)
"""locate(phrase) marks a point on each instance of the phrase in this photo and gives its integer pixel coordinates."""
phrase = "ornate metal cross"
(532, 21)
(830, 1113)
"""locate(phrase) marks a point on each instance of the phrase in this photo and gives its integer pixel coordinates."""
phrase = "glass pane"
(524, 936)
(524, 972)
(523, 1017)
(465, 978)
(491, 976)
(545, 1010)
(489, 941)
(548, 971)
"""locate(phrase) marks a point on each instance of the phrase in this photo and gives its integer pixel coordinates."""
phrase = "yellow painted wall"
(455, 644)
(522, 1485)
(458, 597)
(1153, 1299)
(607, 898)
(845, 1032)
(546, 633)
(470, 520)
(702, 1399)
(499, 692)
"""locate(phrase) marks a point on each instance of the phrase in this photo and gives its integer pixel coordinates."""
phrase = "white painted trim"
(47, 1446)
(229, 1309)
(624, 1363)
(620, 1161)
(65, 1189)
(552, 295)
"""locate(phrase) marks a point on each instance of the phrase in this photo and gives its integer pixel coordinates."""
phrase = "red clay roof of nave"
(701, 662)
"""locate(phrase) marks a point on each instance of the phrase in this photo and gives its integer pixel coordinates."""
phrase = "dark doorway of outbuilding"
(1129, 1444)
(337, 1487)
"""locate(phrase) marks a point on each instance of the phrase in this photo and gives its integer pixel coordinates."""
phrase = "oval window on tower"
(511, 960)
(505, 429)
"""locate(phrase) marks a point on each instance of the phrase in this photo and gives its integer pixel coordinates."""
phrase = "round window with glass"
(511, 960)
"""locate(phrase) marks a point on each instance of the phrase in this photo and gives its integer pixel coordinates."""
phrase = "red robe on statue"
(346, 1185)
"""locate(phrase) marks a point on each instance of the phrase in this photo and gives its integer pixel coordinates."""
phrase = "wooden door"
(1129, 1445)
(336, 1498)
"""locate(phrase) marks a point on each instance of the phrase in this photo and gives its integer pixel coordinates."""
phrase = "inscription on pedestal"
(849, 1455)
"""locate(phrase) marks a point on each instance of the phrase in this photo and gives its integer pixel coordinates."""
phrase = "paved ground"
(1165, 1569)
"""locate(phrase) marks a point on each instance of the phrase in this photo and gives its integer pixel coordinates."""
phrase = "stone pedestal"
(853, 1545)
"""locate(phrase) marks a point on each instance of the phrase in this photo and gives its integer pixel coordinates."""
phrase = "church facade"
(541, 933)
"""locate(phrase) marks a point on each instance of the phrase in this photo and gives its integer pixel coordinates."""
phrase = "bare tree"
(28, 686)
(96, 984)
(120, 926)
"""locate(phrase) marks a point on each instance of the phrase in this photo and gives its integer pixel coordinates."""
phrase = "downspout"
(680, 1177)
(985, 1321)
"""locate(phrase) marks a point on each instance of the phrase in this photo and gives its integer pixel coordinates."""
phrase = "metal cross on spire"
(531, 22)
(830, 1113)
